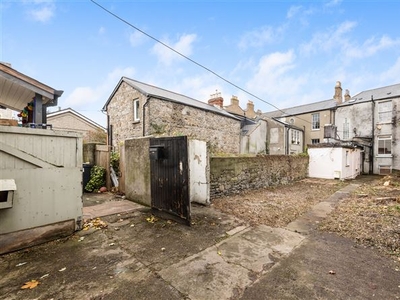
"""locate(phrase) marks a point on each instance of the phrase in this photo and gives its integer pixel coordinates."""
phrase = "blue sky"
(286, 53)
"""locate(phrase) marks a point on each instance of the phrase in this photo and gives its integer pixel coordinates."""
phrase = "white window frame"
(346, 129)
(385, 112)
(136, 110)
(385, 139)
(295, 136)
(315, 121)
(314, 141)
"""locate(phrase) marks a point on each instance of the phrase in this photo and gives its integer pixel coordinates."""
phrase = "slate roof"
(386, 92)
(301, 109)
(159, 93)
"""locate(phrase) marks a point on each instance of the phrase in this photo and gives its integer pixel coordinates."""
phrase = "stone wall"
(167, 118)
(120, 112)
(232, 175)
(172, 119)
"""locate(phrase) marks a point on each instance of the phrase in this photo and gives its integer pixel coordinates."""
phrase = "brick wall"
(232, 175)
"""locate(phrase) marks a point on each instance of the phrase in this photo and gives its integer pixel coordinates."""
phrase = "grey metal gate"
(169, 171)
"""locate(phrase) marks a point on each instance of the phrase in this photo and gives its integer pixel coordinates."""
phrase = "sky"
(277, 54)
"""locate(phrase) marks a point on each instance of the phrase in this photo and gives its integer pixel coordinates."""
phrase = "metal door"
(169, 173)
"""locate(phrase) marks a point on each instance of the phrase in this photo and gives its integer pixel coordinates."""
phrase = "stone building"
(253, 138)
(136, 109)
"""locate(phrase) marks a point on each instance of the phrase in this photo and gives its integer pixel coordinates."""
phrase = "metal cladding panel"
(170, 176)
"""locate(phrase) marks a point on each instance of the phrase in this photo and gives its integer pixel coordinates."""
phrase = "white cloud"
(329, 40)
(102, 30)
(392, 74)
(371, 47)
(184, 45)
(42, 10)
(96, 96)
(136, 38)
(333, 3)
(259, 37)
(274, 80)
(293, 11)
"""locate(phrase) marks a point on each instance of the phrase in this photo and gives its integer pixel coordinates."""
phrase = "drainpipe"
(144, 114)
(304, 139)
(287, 141)
(371, 160)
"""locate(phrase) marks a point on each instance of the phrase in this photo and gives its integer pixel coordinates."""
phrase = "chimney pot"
(216, 100)
(338, 93)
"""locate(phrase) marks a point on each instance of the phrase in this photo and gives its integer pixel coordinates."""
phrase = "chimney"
(216, 100)
(234, 101)
(250, 109)
(338, 93)
(347, 96)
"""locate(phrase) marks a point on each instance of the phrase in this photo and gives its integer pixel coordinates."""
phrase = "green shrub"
(97, 179)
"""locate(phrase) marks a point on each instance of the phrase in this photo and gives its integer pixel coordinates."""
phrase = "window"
(295, 136)
(346, 126)
(384, 145)
(315, 141)
(385, 112)
(136, 110)
(315, 121)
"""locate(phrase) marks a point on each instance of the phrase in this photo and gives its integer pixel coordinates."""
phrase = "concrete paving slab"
(207, 276)
(109, 208)
(224, 270)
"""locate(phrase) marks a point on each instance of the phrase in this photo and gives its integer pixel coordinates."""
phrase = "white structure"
(199, 183)
(370, 118)
(334, 161)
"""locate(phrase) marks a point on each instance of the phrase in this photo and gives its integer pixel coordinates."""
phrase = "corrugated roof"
(156, 92)
(302, 109)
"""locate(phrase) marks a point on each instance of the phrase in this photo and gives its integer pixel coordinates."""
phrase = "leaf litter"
(277, 206)
(370, 216)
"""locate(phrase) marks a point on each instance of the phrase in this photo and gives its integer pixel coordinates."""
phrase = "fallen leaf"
(44, 276)
(163, 249)
(332, 272)
(62, 270)
(21, 264)
(111, 244)
(30, 284)
(219, 252)
(151, 219)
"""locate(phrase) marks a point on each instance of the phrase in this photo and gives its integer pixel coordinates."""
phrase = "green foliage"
(97, 179)
(158, 128)
(114, 161)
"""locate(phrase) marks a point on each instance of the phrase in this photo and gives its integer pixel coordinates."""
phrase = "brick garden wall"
(232, 175)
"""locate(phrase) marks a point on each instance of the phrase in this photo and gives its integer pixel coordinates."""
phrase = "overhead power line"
(191, 60)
